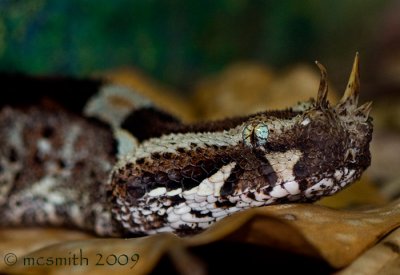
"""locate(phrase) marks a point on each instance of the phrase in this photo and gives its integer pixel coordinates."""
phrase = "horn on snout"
(322, 97)
(349, 100)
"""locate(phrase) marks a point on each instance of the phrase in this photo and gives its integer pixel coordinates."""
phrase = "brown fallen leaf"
(335, 236)
(338, 236)
(384, 258)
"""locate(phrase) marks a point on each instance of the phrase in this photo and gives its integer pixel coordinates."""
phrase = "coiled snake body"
(136, 170)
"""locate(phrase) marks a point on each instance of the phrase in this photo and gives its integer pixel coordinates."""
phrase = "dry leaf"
(335, 236)
(384, 258)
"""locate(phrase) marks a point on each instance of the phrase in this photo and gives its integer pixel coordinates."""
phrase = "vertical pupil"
(253, 138)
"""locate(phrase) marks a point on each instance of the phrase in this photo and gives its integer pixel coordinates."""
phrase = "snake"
(109, 162)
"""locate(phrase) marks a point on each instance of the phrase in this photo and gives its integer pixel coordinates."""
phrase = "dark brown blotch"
(149, 182)
(187, 171)
(12, 155)
(47, 132)
(303, 184)
(300, 171)
(198, 174)
(207, 165)
(176, 199)
(161, 178)
(266, 190)
(61, 163)
(134, 188)
(251, 195)
(228, 188)
(224, 204)
(173, 185)
(189, 183)
(140, 161)
(185, 230)
(231, 183)
(37, 159)
(147, 178)
(198, 214)
(268, 173)
(174, 175)
(167, 155)
(226, 159)
(155, 156)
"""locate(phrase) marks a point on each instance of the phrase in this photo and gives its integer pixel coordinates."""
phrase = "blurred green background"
(178, 42)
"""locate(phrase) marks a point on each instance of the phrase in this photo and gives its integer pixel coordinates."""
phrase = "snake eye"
(261, 133)
(257, 135)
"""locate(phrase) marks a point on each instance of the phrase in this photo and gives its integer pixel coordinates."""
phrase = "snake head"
(185, 177)
(314, 149)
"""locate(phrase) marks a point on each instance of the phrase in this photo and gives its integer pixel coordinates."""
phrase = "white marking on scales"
(213, 184)
(292, 187)
(283, 164)
(158, 192)
(171, 142)
(174, 192)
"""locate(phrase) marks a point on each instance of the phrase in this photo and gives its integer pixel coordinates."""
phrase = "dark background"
(178, 42)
